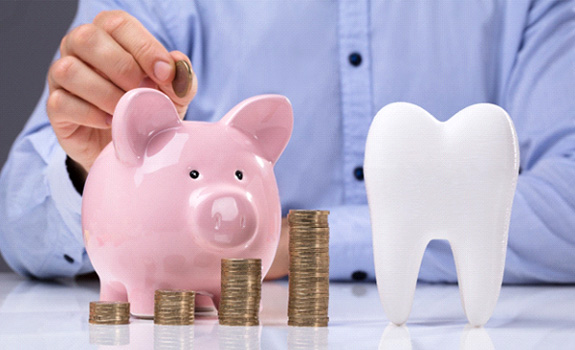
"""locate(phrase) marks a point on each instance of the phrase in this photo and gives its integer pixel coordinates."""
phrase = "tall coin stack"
(309, 268)
(241, 292)
(109, 312)
(174, 307)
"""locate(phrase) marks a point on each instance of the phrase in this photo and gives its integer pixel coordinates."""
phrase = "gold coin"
(183, 78)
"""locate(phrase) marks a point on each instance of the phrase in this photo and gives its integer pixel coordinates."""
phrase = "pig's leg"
(112, 291)
(141, 302)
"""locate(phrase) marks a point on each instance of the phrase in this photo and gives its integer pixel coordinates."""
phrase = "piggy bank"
(167, 199)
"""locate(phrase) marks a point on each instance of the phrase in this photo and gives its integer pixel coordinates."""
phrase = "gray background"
(30, 33)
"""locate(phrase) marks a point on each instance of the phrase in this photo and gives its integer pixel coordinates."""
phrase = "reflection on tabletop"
(54, 315)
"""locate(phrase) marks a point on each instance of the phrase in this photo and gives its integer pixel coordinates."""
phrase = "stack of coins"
(241, 292)
(109, 312)
(309, 268)
(174, 307)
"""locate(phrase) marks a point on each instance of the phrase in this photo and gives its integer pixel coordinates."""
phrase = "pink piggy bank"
(167, 199)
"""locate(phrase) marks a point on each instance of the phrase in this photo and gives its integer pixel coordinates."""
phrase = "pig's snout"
(226, 219)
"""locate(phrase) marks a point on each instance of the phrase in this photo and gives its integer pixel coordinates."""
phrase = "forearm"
(542, 236)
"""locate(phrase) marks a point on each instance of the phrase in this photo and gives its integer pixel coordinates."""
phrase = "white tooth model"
(452, 180)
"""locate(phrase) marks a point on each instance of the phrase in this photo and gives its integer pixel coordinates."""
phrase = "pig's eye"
(239, 174)
(194, 174)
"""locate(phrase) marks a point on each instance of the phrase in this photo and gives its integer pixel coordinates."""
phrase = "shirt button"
(68, 258)
(359, 276)
(358, 173)
(355, 59)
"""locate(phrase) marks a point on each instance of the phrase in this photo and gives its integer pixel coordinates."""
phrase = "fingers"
(131, 35)
(66, 111)
(82, 129)
(147, 52)
(98, 49)
(119, 49)
(99, 62)
(76, 77)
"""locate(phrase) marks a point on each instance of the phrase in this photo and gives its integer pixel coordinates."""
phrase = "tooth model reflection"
(399, 338)
(395, 338)
(451, 180)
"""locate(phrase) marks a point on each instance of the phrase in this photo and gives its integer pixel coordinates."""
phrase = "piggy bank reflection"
(167, 199)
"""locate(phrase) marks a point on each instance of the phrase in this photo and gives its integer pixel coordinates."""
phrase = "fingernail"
(183, 79)
(162, 70)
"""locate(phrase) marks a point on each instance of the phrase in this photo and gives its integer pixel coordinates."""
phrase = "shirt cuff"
(70, 257)
(67, 199)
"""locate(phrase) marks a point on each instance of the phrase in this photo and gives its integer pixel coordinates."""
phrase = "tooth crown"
(451, 180)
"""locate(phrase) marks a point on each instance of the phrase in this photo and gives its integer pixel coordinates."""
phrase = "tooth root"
(480, 261)
(397, 268)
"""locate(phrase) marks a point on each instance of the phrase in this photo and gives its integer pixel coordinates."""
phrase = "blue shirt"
(442, 55)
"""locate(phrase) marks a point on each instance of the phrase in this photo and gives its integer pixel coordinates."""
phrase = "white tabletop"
(41, 315)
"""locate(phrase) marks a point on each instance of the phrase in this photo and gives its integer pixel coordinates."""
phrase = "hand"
(280, 265)
(99, 62)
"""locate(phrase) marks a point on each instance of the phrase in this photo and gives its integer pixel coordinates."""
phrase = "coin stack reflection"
(239, 338)
(240, 292)
(173, 338)
(102, 334)
(174, 307)
(109, 312)
(309, 268)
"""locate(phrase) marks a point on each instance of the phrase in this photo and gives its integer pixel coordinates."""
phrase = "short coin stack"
(109, 312)
(241, 292)
(174, 307)
(309, 268)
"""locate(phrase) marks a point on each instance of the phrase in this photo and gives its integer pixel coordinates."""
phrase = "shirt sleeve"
(41, 234)
(540, 97)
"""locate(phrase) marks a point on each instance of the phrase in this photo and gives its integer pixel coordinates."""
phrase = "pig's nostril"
(243, 222)
(218, 218)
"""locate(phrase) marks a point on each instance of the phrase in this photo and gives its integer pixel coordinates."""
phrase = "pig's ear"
(267, 120)
(140, 115)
